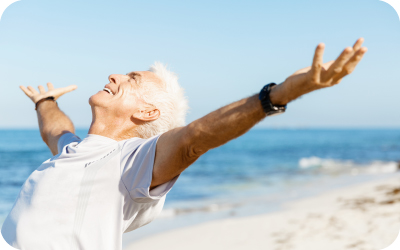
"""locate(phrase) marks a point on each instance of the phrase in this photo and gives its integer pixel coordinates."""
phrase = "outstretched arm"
(179, 148)
(53, 123)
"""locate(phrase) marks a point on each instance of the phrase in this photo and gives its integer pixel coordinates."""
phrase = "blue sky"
(222, 50)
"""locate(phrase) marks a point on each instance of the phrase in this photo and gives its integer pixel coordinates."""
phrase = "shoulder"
(65, 139)
(136, 144)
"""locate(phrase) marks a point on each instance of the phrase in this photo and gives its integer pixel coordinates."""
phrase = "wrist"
(278, 96)
(292, 88)
(45, 104)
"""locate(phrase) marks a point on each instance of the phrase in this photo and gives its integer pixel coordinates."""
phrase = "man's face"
(119, 96)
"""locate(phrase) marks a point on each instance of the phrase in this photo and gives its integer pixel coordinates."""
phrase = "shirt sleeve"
(137, 162)
(66, 139)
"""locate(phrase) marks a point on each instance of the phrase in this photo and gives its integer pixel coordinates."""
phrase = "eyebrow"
(134, 76)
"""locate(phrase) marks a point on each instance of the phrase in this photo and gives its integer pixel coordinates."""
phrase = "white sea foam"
(167, 213)
(333, 166)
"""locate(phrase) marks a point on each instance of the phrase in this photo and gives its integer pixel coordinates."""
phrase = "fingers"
(351, 64)
(338, 64)
(41, 89)
(346, 62)
(69, 88)
(34, 95)
(33, 91)
(317, 63)
(358, 44)
(50, 86)
(327, 64)
(26, 91)
(61, 91)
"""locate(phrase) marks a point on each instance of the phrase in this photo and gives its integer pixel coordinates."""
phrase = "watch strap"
(266, 103)
(49, 98)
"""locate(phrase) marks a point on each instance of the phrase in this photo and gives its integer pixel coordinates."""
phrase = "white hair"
(169, 100)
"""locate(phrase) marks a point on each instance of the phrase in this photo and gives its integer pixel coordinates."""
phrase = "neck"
(114, 129)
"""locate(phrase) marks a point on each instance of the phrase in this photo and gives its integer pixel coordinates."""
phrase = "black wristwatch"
(268, 107)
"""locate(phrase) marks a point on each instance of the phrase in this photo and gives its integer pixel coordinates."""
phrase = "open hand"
(328, 74)
(36, 96)
(319, 75)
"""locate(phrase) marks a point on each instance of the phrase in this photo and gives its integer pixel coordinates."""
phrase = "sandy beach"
(363, 216)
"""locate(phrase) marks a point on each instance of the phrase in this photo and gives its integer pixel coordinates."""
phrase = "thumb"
(70, 88)
(61, 91)
(67, 89)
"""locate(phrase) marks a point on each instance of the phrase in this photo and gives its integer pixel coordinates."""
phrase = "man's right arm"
(53, 123)
(179, 148)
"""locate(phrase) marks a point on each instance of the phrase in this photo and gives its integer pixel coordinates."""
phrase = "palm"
(35, 96)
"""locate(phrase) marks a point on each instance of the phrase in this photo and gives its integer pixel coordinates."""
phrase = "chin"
(95, 100)
(91, 99)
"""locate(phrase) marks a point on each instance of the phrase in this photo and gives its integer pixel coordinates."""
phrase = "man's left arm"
(179, 148)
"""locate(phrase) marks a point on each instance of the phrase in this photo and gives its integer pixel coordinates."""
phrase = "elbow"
(194, 142)
(190, 154)
(193, 152)
(45, 136)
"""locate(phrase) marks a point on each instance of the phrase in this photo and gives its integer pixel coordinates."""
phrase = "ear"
(147, 114)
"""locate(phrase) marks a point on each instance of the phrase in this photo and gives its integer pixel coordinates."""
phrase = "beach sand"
(363, 216)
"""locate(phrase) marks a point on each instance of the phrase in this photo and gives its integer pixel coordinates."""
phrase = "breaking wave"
(333, 166)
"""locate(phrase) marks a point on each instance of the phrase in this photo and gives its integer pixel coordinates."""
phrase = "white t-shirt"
(87, 196)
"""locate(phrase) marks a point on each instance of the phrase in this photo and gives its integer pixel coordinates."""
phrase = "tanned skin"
(118, 116)
(53, 123)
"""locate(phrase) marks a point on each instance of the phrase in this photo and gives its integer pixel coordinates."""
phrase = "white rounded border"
(4, 245)
(4, 5)
(395, 5)
(395, 245)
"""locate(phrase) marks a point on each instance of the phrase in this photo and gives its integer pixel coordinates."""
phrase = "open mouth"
(108, 91)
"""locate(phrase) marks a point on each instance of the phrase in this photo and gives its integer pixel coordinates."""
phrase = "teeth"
(108, 90)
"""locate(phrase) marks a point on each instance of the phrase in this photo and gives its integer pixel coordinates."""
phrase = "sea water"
(262, 163)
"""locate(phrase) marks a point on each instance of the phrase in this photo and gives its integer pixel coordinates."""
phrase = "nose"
(114, 78)
(118, 79)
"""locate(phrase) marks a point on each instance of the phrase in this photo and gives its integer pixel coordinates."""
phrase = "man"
(115, 180)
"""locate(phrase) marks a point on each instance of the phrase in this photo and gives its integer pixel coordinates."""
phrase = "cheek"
(127, 106)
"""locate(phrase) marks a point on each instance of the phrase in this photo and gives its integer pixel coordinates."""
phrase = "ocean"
(261, 163)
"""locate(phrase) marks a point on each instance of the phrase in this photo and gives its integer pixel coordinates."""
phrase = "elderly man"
(116, 179)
